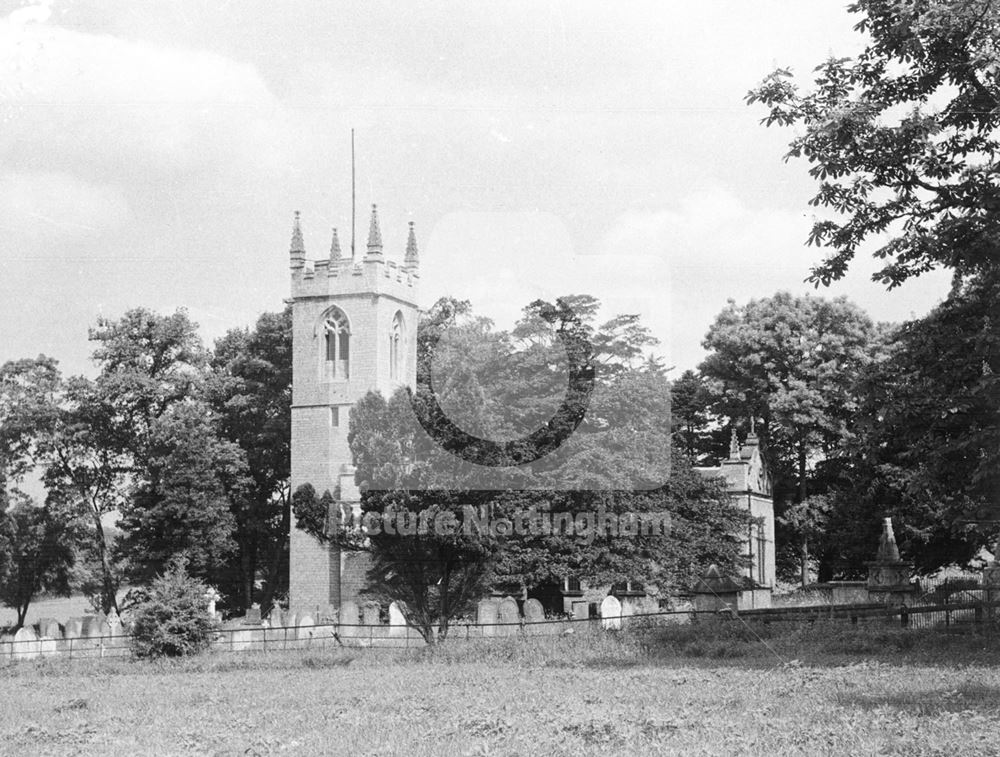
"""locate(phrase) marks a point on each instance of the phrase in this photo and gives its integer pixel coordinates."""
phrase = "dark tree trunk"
(443, 609)
(109, 592)
(276, 559)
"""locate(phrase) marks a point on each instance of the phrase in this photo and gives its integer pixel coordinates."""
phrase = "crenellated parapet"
(339, 275)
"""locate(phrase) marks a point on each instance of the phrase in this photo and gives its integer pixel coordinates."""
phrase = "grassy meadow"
(714, 689)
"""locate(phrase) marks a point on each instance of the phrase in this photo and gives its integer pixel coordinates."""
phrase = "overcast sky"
(152, 153)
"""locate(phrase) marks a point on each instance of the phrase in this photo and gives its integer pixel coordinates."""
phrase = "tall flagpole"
(352, 195)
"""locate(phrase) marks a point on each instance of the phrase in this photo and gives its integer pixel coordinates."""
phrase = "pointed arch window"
(338, 343)
(396, 348)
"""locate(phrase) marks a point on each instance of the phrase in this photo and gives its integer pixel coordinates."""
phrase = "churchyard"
(713, 688)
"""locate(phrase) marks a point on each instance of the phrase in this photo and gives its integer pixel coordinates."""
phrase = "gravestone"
(26, 646)
(487, 614)
(534, 617)
(240, 639)
(114, 626)
(252, 617)
(74, 628)
(47, 646)
(49, 627)
(94, 626)
(581, 611)
(306, 627)
(350, 619)
(370, 616)
(510, 618)
(611, 613)
(397, 621)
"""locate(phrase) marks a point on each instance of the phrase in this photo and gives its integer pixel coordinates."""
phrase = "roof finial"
(734, 446)
(334, 247)
(412, 258)
(752, 436)
(374, 234)
(297, 250)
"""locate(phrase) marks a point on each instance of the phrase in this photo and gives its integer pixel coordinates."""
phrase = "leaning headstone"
(611, 613)
(510, 618)
(49, 627)
(26, 646)
(397, 621)
(487, 614)
(350, 619)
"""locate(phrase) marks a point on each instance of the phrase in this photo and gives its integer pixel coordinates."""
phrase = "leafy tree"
(903, 139)
(184, 497)
(36, 552)
(691, 416)
(172, 619)
(61, 428)
(186, 480)
(927, 448)
(251, 392)
(791, 363)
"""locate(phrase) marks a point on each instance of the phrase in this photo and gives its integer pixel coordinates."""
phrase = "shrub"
(173, 619)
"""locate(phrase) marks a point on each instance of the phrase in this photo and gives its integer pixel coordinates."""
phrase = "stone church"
(354, 325)
(354, 329)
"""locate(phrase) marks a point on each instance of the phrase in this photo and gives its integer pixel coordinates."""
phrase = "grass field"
(679, 691)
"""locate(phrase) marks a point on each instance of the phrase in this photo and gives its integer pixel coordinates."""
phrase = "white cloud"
(56, 205)
(94, 103)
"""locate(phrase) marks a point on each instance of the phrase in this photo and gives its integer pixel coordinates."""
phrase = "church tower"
(354, 329)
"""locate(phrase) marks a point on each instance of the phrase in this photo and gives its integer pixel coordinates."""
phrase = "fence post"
(979, 613)
(904, 616)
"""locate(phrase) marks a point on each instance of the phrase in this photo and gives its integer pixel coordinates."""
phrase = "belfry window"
(338, 343)
(396, 348)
